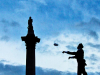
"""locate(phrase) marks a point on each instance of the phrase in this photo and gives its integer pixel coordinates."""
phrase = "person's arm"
(72, 53)
(72, 57)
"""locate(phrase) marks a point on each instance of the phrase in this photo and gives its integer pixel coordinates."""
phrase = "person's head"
(80, 46)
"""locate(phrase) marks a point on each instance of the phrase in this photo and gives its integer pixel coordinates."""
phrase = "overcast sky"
(66, 22)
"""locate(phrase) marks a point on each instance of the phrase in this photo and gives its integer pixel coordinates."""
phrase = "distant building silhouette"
(79, 55)
(30, 40)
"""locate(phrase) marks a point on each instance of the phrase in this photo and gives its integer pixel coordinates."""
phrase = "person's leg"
(78, 73)
(84, 72)
(78, 70)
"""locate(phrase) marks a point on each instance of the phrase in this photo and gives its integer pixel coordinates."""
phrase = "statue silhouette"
(79, 55)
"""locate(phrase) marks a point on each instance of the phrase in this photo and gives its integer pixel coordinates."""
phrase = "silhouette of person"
(79, 55)
(30, 21)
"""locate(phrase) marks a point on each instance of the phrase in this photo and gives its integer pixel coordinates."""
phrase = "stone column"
(30, 41)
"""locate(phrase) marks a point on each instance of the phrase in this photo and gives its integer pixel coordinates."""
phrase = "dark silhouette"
(79, 55)
(30, 40)
(55, 44)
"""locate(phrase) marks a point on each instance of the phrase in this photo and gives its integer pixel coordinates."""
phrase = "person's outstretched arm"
(68, 52)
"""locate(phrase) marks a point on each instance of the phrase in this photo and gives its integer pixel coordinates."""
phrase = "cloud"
(94, 23)
(12, 51)
(89, 29)
(88, 8)
(53, 58)
(5, 38)
(4, 61)
(8, 5)
(12, 70)
(93, 34)
(94, 45)
(43, 71)
(41, 1)
(4, 21)
(15, 24)
(8, 29)
(8, 26)
(93, 57)
(20, 70)
(52, 18)
(48, 52)
(50, 9)
(7, 23)
(71, 47)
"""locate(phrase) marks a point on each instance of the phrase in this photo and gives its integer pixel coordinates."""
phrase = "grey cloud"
(44, 49)
(2, 60)
(12, 70)
(81, 24)
(41, 71)
(89, 33)
(94, 22)
(15, 24)
(4, 24)
(93, 57)
(56, 10)
(71, 47)
(93, 34)
(90, 5)
(5, 38)
(4, 21)
(20, 70)
(89, 29)
(94, 45)
(96, 73)
(8, 23)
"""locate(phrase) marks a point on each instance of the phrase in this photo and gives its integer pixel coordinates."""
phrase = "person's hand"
(63, 52)
(69, 57)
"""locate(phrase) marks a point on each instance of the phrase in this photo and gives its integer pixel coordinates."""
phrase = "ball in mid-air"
(55, 44)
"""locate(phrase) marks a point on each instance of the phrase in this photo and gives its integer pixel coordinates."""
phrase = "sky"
(66, 22)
